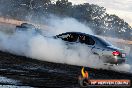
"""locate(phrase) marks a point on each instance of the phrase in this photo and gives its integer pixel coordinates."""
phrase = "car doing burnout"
(108, 53)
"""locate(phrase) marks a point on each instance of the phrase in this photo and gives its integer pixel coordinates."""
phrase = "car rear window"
(103, 42)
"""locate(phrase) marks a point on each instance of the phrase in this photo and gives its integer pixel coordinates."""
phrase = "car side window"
(86, 39)
(63, 36)
(71, 37)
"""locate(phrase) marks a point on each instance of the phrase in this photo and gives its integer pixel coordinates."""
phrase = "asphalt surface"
(23, 72)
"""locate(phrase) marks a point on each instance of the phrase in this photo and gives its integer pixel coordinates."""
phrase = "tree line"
(92, 15)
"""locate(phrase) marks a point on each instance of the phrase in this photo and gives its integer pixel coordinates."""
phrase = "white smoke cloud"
(46, 48)
(53, 50)
(26, 43)
(68, 24)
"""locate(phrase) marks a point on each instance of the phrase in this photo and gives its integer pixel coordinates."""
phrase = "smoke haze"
(46, 48)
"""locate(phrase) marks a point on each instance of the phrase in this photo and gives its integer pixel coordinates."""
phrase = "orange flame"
(84, 73)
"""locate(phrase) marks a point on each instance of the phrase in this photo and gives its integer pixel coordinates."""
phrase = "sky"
(121, 8)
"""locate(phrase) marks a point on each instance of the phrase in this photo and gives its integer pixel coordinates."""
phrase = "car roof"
(27, 25)
(80, 33)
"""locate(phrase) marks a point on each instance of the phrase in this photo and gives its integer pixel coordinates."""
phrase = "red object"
(116, 53)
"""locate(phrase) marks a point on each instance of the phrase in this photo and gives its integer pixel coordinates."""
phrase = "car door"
(99, 48)
(87, 40)
(90, 45)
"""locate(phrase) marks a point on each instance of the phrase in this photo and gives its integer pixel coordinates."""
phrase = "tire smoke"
(46, 48)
